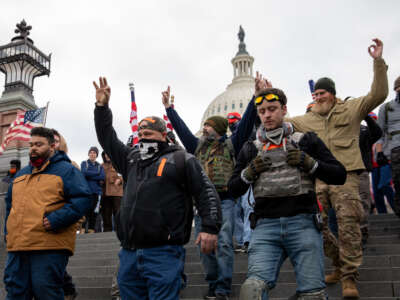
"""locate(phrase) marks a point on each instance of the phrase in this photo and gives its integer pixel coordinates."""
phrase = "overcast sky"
(188, 45)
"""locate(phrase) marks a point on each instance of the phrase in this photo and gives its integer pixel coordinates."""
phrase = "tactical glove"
(298, 158)
(381, 159)
(255, 168)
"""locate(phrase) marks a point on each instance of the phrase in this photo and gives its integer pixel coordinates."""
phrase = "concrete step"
(285, 290)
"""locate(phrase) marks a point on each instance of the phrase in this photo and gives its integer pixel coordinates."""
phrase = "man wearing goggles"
(281, 166)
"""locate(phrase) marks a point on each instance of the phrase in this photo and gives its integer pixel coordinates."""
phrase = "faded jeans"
(219, 267)
(242, 232)
(273, 240)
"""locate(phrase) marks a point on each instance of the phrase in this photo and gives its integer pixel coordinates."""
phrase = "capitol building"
(237, 94)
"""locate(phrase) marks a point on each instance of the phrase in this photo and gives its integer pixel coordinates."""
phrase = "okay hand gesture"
(376, 50)
(103, 92)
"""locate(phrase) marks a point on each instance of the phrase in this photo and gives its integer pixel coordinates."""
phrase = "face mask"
(37, 162)
(275, 136)
(13, 171)
(148, 148)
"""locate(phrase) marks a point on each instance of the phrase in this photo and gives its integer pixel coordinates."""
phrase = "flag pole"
(45, 114)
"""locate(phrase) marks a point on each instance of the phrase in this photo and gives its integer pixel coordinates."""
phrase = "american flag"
(21, 128)
(167, 121)
(133, 119)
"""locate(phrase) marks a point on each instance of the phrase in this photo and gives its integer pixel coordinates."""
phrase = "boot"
(333, 277)
(349, 288)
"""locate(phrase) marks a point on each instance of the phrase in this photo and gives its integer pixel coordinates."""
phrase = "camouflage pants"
(346, 251)
(365, 195)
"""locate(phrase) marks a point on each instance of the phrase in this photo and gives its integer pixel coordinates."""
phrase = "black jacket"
(329, 170)
(152, 211)
(369, 135)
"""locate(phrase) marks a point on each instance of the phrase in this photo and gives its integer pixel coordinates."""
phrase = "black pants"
(91, 215)
(395, 158)
(109, 208)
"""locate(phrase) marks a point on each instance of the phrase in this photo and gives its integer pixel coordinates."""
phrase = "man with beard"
(281, 168)
(156, 213)
(44, 202)
(337, 124)
(388, 147)
(217, 154)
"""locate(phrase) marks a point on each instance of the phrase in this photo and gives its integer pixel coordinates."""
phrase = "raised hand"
(103, 92)
(165, 97)
(376, 50)
(261, 83)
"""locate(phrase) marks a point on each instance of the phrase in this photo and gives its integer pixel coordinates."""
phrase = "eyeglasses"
(231, 117)
(268, 97)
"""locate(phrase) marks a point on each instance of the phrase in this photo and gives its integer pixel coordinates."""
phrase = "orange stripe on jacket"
(161, 167)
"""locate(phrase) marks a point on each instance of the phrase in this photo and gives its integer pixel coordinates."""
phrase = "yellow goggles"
(268, 97)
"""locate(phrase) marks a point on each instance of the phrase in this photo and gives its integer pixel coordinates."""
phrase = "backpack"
(180, 162)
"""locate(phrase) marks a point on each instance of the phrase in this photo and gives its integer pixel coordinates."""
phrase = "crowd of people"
(274, 188)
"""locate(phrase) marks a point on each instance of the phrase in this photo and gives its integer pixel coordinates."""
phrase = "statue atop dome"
(242, 45)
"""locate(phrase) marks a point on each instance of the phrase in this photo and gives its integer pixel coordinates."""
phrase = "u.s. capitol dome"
(237, 94)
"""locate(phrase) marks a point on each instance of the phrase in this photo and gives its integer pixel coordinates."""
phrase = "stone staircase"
(96, 259)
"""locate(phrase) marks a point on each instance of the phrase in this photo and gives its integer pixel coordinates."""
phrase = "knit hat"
(220, 124)
(153, 123)
(326, 84)
(397, 83)
(94, 148)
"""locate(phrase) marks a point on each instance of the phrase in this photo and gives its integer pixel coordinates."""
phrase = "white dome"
(237, 94)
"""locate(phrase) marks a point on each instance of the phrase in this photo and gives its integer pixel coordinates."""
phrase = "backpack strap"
(180, 163)
(231, 149)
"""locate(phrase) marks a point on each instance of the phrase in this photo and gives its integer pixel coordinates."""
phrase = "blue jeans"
(151, 273)
(38, 274)
(219, 267)
(381, 191)
(273, 240)
(243, 210)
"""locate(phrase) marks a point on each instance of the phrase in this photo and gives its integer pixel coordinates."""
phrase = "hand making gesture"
(261, 84)
(376, 50)
(103, 92)
(165, 97)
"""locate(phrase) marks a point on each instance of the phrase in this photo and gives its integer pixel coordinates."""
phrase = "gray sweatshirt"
(389, 126)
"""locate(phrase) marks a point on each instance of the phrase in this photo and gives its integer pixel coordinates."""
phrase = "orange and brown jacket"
(109, 188)
(57, 191)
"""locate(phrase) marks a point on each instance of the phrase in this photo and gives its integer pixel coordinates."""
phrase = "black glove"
(298, 158)
(381, 159)
(256, 167)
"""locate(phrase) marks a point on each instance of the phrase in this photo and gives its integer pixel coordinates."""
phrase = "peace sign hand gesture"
(261, 84)
(103, 92)
(376, 50)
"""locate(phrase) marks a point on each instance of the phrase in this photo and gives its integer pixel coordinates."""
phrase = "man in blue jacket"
(217, 154)
(94, 174)
(43, 204)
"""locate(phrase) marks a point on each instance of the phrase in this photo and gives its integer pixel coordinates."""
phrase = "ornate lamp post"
(22, 62)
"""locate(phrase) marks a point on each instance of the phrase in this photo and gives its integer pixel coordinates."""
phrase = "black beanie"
(93, 148)
(220, 124)
(326, 84)
(397, 83)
